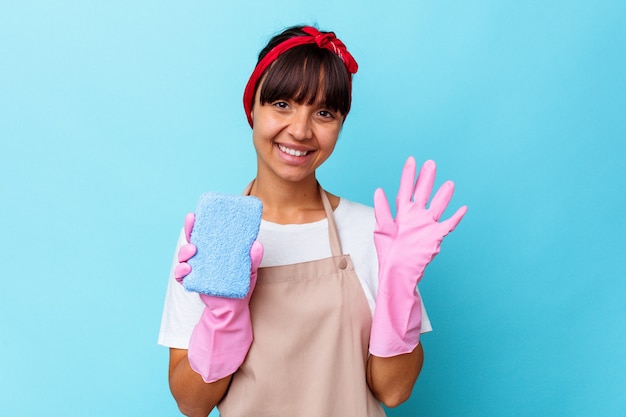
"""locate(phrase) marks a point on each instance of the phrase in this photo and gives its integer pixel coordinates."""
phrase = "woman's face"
(292, 140)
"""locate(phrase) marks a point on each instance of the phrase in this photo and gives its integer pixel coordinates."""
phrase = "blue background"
(116, 115)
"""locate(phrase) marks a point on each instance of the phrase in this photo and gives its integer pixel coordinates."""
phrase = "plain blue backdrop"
(116, 115)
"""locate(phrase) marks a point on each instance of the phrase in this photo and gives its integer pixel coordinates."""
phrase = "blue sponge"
(226, 226)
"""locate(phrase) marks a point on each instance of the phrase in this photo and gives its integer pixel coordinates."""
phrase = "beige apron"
(311, 324)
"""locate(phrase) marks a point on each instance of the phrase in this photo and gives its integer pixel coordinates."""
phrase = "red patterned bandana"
(323, 40)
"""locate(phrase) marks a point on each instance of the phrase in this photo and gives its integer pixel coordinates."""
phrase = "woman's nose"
(300, 125)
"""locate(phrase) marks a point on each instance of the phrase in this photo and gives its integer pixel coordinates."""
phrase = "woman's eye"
(326, 113)
(281, 104)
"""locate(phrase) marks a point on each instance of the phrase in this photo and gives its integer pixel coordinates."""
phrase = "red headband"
(323, 40)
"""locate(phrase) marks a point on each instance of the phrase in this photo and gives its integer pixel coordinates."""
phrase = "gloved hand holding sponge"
(220, 262)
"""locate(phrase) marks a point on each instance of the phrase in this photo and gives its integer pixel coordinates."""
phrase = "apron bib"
(311, 324)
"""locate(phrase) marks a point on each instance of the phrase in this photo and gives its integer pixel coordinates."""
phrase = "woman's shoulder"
(354, 213)
(354, 207)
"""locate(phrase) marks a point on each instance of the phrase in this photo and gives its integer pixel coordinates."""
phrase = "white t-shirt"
(284, 245)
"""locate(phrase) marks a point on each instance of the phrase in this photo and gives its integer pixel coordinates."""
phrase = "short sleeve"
(181, 311)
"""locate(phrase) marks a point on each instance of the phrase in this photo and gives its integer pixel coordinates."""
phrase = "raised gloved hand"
(221, 339)
(405, 246)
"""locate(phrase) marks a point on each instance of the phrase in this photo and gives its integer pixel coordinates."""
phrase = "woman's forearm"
(195, 398)
(392, 379)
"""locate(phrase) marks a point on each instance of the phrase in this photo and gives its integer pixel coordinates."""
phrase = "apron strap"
(333, 234)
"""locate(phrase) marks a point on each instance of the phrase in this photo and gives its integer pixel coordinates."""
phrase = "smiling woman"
(333, 302)
(115, 116)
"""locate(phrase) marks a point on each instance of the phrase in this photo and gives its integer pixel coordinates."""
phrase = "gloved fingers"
(425, 183)
(441, 200)
(186, 252)
(190, 219)
(256, 255)
(382, 212)
(407, 183)
(451, 223)
(181, 271)
(252, 287)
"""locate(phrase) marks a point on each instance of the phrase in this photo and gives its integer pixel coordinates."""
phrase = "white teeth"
(292, 152)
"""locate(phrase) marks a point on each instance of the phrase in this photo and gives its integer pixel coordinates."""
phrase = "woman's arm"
(195, 398)
(405, 245)
(392, 379)
(200, 375)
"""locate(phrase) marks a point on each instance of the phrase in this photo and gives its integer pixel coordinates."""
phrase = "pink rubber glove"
(220, 341)
(186, 252)
(405, 246)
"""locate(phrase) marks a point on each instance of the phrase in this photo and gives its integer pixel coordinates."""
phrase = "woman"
(332, 321)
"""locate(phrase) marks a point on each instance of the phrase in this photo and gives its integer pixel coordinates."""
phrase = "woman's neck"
(287, 202)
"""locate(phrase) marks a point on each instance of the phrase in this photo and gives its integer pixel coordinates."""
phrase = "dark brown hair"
(306, 74)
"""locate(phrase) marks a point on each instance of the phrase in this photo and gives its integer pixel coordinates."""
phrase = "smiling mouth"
(293, 152)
